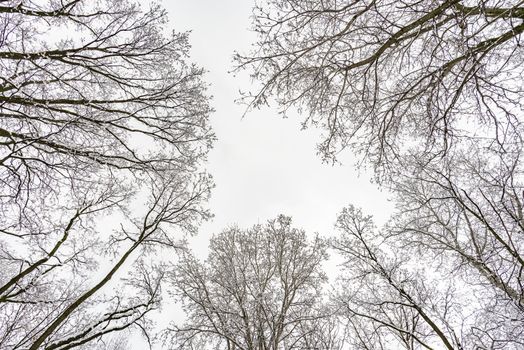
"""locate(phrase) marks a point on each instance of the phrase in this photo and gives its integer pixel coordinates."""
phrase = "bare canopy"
(258, 289)
(100, 114)
(380, 75)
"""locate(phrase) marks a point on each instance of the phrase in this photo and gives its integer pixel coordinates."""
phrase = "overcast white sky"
(263, 165)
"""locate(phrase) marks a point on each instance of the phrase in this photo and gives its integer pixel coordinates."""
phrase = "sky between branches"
(263, 165)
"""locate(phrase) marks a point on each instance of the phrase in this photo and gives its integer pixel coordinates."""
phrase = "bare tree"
(386, 304)
(117, 94)
(258, 289)
(102, 121)
(467, 216)
(430, 92)
(396, 297)
(379, 75)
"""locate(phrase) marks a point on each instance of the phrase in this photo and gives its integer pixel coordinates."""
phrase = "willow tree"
(103, 129)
